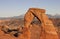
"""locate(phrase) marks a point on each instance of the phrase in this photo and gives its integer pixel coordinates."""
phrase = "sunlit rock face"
(48, 29)
(44, 30)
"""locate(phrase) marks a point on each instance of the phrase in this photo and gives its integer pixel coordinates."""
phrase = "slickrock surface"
(35, 30)
(48, 29)
(43, 29)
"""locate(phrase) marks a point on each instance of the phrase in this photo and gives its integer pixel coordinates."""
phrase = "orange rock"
(46, 31)
(47, 25)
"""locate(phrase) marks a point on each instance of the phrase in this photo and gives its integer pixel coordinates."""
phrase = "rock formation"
(48, 30)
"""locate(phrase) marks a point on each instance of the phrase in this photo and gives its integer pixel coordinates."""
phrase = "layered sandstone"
(46, 31)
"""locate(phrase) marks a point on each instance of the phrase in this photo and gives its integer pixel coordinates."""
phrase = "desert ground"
(35, 28)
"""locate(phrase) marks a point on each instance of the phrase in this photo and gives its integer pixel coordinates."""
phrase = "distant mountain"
(57, 16)
(14, 17)
(22, 16)
(50, 16)
(53, 16)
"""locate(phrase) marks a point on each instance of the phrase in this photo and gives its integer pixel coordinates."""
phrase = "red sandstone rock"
(47, 30)
(47, 25)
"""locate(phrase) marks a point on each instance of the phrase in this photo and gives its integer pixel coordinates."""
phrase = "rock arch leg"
(49, 31)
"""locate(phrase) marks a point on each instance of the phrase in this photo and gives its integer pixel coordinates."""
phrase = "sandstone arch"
(49, 31)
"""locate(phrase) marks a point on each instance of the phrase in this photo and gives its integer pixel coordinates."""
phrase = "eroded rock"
(47, 31)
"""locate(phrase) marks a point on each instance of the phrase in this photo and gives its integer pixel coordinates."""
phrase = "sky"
(9, 8)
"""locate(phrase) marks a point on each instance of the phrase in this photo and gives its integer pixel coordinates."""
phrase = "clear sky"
(18, 7)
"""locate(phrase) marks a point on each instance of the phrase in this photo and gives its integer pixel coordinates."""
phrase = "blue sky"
(18, 7)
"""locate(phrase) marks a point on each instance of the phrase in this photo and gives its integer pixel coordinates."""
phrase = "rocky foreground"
(16, 23)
